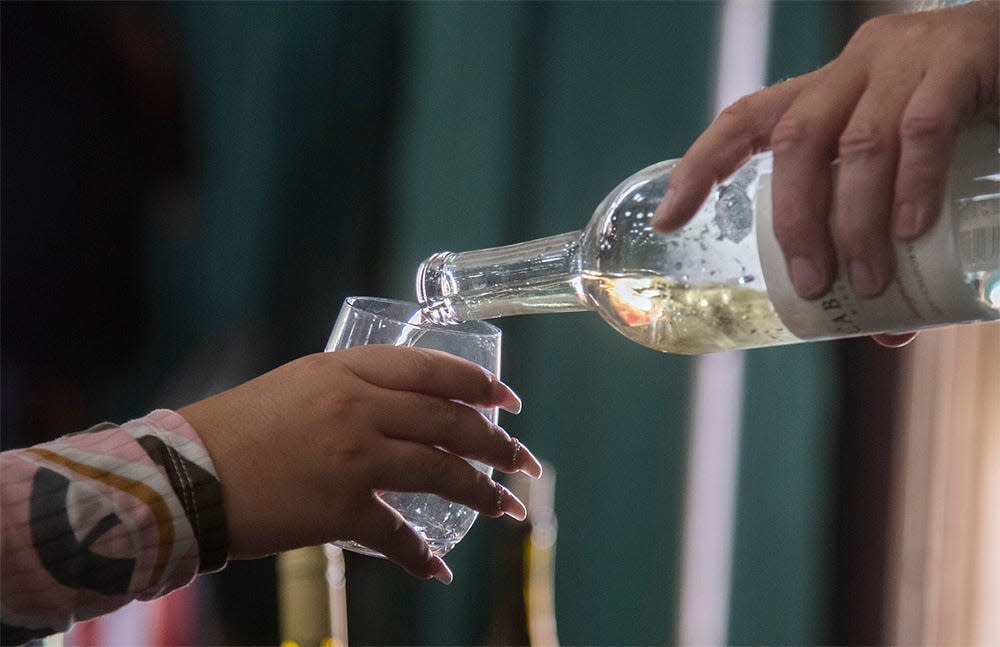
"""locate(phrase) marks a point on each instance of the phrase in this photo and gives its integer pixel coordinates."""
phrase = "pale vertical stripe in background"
(944, 584)
(944, 548)
(713, 453)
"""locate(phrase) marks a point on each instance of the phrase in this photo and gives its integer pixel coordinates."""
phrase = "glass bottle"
(720, 282)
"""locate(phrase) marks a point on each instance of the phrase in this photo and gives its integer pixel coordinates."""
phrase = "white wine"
(720, 283)
(678, 317)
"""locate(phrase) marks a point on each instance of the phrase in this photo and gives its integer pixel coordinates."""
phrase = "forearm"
(94, 520)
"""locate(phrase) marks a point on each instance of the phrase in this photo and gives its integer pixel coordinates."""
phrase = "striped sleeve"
(97, 519)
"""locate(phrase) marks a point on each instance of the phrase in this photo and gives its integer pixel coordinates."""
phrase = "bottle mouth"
(434, 286)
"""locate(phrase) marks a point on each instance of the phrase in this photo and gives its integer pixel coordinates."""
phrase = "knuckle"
(874, 30)
(747, 122)
(910, 30)
(792, 132)
(343, 403)
(346, 436)
(923, 125)
(329, 372)
(863, 142)
(868, 30)
(317, 363)
(739, 116)
(353, 457)
(352, 450)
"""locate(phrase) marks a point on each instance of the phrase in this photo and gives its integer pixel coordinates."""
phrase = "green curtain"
(516, 120)
(781, 551)
(463, 125)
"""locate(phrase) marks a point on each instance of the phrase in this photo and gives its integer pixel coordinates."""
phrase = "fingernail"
(907, 221)
(808, 281)
(511, 505)
(661, 217)
(505, 397)
(864, 278)
(531, 465)
(442, 573)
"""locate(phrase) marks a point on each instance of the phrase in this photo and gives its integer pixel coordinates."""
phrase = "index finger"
(431, 372)
(740, 131)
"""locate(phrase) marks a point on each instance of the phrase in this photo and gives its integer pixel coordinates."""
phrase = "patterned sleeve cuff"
(174, 445)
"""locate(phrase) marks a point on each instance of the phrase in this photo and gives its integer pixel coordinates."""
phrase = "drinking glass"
(370, 320)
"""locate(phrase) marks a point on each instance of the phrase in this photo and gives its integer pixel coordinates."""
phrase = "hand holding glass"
(365, 321)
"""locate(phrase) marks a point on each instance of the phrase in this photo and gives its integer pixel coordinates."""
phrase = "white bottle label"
(930, 288)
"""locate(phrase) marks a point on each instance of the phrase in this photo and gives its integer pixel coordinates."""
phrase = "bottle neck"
(535, 276)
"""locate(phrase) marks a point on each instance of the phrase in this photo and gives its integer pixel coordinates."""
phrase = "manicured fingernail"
(510, 505)
(528, 463)
(808, 281)
(661, 217)
(865, 279)
(442, 573)
(505, 397)
(907, 221)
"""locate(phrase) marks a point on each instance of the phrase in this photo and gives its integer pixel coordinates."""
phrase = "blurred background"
(189, 191)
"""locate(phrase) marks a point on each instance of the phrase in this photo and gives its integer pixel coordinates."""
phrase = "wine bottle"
(720, 282)
(311, 597)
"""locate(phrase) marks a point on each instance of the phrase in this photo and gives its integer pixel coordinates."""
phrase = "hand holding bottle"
(889, 108)
(303, 451)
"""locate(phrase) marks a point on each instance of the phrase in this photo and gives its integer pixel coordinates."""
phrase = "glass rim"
(475, 328)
